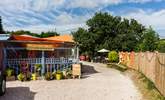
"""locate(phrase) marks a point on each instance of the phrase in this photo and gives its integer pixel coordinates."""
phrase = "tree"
(110, 32)
(42, 35)
(48, 34)
(1, 27)
(150, 39)
(161, 46)
(85, 41)
(115, 33)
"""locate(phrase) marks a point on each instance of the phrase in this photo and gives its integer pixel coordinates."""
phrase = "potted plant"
(64, 73)
(21, 77)
(28, 76)
(38, 69)
(48, 76)
(69, 73)
(9, 74)
(58, 75)
(34, 76)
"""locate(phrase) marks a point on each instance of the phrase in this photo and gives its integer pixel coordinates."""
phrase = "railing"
(27, 60)
(49, 64)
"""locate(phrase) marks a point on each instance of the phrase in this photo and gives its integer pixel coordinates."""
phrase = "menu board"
(76, 69)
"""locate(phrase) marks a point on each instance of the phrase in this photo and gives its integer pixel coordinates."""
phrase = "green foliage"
(58, 72)
(120, 67)
(1, 27)
(150, 88)
(48, 76)
(149, 42)
(161, 46)
(85, 41)
(113, 56)
(110, 32)
(9, 72)
(38, 67)
(21, 77)
(42, 35)
(48, 34)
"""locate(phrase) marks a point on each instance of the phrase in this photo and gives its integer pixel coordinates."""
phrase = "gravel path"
(97, 83)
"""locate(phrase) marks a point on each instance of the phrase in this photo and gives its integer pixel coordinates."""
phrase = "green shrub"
(113, 56)
(38, 67)
(161, 46)
(117, 66)
(9, 72)
(48, 76)
(21, 77)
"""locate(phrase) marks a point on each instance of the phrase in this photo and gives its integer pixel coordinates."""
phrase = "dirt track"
(97, 83)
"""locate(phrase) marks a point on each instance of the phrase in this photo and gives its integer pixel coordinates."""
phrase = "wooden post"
(43, 63)
(77, 55)
(4, 57)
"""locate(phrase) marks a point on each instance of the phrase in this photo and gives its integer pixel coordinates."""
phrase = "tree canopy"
(161, 45)
(41, 35)
(149, 42)
(1, 27)
(114, 33)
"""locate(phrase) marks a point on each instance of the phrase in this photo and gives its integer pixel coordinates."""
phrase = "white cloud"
(64, 22)
(144, 1)
(37, 5)
(155, 19)
(42, 5)
(39, 15)
(66, 18)
(91, 3)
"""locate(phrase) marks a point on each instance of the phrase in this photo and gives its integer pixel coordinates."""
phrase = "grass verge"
(121, 68)
(145, 86)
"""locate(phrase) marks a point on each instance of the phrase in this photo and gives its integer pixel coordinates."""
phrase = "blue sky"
(67, 15)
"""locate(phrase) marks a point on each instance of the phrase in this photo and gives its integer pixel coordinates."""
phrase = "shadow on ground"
(88, 70)
(18, 93)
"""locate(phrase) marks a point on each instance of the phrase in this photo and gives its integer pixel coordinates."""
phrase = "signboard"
(76, 70)
(45, 47)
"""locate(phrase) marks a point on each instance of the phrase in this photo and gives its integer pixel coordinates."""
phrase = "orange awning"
(63, 38)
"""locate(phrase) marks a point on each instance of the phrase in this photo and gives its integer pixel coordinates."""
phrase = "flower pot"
(58, 76)
(34, 77)
(10, 78)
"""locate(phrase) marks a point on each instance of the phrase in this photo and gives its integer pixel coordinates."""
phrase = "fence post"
(43, 63)
(77, 55)
(5, 57)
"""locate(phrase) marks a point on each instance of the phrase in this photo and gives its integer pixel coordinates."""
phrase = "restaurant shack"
(24, 53)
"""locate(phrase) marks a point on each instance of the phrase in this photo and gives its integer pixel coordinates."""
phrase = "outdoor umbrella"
(104, 53)
(103, 50)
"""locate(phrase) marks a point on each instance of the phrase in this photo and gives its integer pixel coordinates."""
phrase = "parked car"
(82, 58)
(2, 71)
(2, 81)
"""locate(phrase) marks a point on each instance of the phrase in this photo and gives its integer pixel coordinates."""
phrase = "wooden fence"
(151, 64)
